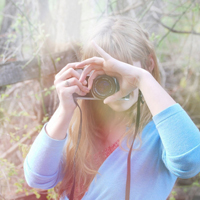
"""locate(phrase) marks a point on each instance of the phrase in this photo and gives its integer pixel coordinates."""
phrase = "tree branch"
(174, 24)
(128, 8)
(15, 147)
(176, 31)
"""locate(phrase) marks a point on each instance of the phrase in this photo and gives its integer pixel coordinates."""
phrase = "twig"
(130, 7)
(176, 31)
(106, 7)
(163, 74)
(98, 5)
(42, 96)
(6, 180)
(11, 98)
(157, 10)
(29, 22)
(16, 49)
(14, 147)
(36, 54)
(2, 197)
(146, 10)
(22, 196)
(174, 24)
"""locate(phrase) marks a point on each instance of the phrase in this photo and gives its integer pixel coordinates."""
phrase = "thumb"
(113, 97)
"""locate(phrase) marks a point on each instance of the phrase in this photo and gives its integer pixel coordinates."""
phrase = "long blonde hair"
(125, 40)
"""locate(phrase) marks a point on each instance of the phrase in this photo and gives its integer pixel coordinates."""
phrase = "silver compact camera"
(102, 87)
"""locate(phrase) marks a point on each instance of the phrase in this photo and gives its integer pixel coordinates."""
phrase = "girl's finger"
(93, 76)
(87, 71)
(75, 89)
(101, 52)
(113, 97)
(69, 65)
(67, 74)
(74, 81)
(89, 61)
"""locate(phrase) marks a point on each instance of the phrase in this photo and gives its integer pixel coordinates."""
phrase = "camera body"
(102, 87)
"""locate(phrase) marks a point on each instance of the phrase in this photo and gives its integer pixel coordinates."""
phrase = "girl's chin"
(119, 106)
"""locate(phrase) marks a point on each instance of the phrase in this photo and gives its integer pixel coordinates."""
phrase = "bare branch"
(128, 8)
(174, 24)
(2, 197)
(14, 147)
(146, 10)
(176, 31)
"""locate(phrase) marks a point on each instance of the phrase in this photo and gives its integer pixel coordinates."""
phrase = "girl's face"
(123, 105)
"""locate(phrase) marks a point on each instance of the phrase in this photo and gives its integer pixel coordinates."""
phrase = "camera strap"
(128, 178)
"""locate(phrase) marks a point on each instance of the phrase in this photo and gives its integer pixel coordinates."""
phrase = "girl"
(166, 146)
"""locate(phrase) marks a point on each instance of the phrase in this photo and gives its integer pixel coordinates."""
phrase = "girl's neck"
(113, 130)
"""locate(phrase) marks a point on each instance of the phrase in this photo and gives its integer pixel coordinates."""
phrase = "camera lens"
(104, 86)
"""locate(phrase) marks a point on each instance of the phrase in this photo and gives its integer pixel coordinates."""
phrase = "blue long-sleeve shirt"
(170, 149)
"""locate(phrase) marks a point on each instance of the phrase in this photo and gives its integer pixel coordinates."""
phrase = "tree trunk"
(9, 12)
(68, 22)
(49, 26)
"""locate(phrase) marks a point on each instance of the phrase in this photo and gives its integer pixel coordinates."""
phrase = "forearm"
(59, 123)
(155, 96)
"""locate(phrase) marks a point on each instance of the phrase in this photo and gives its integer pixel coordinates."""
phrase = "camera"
(102, 87)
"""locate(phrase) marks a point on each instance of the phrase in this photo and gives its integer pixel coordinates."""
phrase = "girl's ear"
(151, 64)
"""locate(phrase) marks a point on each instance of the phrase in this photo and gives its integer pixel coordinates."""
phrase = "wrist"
(143, 78)
(59, 123)
(65, 111)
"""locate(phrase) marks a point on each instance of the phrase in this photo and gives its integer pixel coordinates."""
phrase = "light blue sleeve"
(181, 141)
(43, 166)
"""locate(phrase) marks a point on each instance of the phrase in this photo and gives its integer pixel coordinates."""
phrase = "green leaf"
(8, 86)
(196, 183)
(37, 97)
(183, 82)
(52, 87)
(57, 59)
(17, 96)
(36, 193)
(47, 93)
(45, 119)
(3, 96)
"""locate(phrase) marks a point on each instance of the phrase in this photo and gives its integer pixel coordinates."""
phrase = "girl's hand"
(127, 75)
(66, 83)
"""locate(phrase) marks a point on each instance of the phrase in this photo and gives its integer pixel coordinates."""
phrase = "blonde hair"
(125, 40)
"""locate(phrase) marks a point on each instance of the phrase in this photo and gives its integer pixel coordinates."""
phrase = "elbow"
(184, 168)
(35, 180)
(35, 183)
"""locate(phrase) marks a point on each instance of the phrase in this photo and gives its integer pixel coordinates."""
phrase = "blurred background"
(38, 38)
